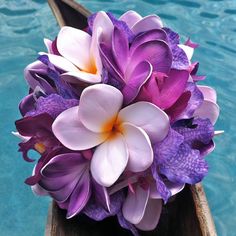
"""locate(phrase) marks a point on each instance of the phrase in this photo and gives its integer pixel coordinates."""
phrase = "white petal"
(103, 21)
(48, 44)
(72, 134)
(151, 216)
(208, 110)
(38, 190)
(81, 76)
(139, 148)
(208, 93)
(130, 18)
(147, 116)
(147, 23)
(23, 138)
(109, 161)
(188, 51)
(99, 106)
(74, 45)
(135, 205)
(60, 62)
(102, 32)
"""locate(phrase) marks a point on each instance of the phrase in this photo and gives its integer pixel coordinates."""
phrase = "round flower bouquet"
(118, 118)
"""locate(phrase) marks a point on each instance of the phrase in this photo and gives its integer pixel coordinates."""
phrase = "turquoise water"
(24, 23)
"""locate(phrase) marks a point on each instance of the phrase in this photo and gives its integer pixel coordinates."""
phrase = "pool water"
(23, 25)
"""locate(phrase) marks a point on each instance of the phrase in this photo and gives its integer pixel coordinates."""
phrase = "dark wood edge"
(57, 13)
(71, 3)
(203, 211)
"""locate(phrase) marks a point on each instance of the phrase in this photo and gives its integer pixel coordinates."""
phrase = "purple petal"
(191, 44)
(120, 48)
(122, 26)
(79, 196)
(147, 23)
(155, 34)
(172, 88)
(109, 62)
(53, 105)
(101, 195)
(201, 130)
(27, 104)
(60, 176)
(178, 162)
(63, 88)
(97, 212)
(29, 126)
(160, 185)
(126, 225)
(180, 60)
(186, 167)
(156, 52)
(194, 102)
(173, 37)
(179, 106)
(46, 157)
(135, 80)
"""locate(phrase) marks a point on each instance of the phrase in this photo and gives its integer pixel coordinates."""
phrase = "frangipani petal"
(120, 48)
(48, 44)
(139, 148)
(130, 18)
(156, 52)
(76, 77)
(74, 45)
(151, 216)
(135, 79)
(155, 34)
(109, 160)
(61, 62)
(99, 106)
(208, 93)
(147, 23)
(135, 205)
(147, 116)
(71, 132)
(208, 109)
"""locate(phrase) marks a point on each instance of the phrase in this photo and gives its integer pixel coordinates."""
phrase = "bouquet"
(118, 119)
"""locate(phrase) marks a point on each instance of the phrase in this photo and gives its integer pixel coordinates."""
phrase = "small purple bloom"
(53, 105)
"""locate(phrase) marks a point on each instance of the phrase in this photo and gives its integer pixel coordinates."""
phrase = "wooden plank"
(203, 211)
(188, 214)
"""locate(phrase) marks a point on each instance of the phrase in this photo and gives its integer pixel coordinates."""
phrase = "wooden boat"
(187, 215)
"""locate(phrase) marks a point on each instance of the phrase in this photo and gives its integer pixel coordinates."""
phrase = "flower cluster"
(118, 119)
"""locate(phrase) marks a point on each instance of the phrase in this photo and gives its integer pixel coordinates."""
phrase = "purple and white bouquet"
(118, 118)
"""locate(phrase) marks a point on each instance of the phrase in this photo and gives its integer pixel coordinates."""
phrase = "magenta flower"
(124, 133)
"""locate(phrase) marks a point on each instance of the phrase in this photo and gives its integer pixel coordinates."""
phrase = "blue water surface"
(24, 24)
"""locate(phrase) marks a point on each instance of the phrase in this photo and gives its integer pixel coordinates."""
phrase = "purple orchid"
(66, 178)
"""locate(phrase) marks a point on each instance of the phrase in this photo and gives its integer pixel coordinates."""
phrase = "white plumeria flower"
(124, 136)
(79, 52)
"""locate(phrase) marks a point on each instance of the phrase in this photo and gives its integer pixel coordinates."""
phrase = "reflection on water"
(24, 23)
